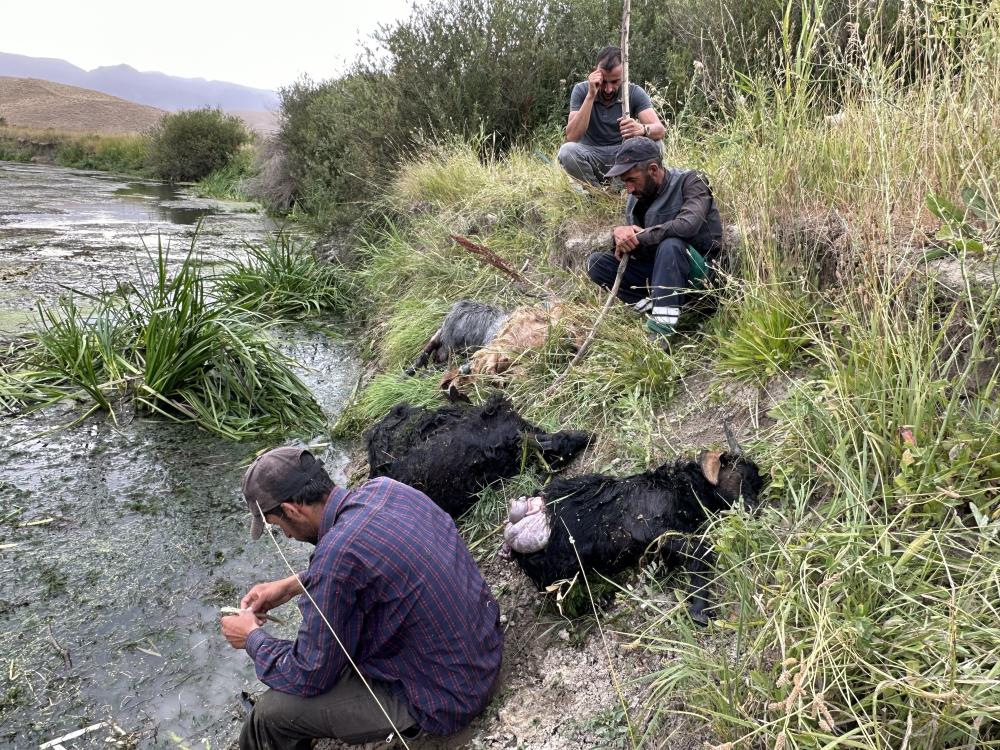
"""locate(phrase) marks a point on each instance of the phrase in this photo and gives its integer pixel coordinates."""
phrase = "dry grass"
(40, 105)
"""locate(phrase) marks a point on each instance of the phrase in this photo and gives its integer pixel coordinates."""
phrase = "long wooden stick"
(626, 18)
(582, 351)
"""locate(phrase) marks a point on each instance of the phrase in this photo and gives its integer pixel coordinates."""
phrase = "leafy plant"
(191, 144)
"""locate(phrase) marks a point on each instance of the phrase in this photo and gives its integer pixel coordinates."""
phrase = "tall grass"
(170, 348)
(283, 278)
(862, 602)
(111, 153)
(230, 182)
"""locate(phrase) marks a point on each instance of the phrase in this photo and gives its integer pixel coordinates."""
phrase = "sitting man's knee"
(569, 152)
(595, 262)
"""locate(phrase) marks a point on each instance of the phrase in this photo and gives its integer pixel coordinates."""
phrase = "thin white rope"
(305, 591)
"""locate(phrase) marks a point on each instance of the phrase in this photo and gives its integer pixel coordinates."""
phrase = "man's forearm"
(577, 126)
(292, 584)
(656, 131)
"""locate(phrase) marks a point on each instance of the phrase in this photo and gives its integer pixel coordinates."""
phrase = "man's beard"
(649, 186)
(613, 96)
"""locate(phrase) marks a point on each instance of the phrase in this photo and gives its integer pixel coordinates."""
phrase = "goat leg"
(699, 563)
(430, 349)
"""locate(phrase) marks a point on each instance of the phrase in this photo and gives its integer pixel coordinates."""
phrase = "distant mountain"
(154, 89)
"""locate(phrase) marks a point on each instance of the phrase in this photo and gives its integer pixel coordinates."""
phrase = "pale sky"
(254, 43)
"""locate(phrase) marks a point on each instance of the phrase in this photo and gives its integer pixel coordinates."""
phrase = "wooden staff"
(626, 17)
(626, 99)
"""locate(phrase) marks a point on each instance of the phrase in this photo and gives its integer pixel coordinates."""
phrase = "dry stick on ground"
(489, 257)
(62, 652)
(626, 111)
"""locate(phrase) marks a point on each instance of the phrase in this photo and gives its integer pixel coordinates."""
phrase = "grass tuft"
(172, 349)
(284, 279)
(380, 395)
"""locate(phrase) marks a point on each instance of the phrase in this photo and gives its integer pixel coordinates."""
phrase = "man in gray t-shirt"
(596, 128)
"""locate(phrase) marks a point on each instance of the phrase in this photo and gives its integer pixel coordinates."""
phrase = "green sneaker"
(660, 333)
(660, 329)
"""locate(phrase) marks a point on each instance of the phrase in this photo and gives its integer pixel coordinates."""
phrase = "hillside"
(31, 103)
(150, 88)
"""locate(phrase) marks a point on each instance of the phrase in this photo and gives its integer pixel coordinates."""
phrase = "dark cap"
(632, 152)
(273, 478)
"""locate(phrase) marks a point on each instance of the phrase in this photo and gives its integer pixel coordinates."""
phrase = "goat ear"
(711, 464)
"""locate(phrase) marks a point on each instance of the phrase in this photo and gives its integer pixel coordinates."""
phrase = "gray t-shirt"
(603, 127)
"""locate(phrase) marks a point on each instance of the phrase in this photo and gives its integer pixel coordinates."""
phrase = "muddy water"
(119, 540)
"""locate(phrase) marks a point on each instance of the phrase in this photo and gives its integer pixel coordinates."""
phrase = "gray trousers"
(587, 163)
(346, 712)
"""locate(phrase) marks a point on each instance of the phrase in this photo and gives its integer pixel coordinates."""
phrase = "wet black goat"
(468, 326)
(613, 521)
(452, 453)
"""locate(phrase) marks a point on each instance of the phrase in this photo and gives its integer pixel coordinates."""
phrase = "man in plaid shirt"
(394, 581)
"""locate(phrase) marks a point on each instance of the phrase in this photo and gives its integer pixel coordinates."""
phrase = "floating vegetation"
(167, 346)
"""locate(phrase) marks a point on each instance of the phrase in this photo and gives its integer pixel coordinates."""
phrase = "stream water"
(120, 540)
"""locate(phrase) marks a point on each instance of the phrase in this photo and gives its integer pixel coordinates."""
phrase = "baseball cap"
(273, 478)
(632, 152)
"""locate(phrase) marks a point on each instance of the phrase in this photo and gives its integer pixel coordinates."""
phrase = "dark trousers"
(346, 712)
(660, 273)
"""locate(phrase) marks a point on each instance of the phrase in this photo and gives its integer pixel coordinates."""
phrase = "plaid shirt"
(396, 582)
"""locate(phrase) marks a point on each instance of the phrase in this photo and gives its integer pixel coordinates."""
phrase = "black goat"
(468, 326)
(613, 521)
(452, 453)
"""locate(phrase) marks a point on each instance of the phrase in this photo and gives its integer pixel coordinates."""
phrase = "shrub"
(190, 145)
(505, 69)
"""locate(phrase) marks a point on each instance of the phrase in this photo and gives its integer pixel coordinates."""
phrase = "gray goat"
(469, 325)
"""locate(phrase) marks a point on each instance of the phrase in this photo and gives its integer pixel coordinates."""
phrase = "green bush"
(504, 70)
(190, 145)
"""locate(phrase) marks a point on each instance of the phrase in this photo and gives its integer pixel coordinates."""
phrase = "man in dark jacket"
(667, 211)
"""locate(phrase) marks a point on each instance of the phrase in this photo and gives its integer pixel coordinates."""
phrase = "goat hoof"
(699, 617)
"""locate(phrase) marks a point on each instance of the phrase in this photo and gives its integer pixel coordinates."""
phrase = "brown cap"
(273, 478)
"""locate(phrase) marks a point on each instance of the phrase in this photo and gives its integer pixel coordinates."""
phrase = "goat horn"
(734, 447)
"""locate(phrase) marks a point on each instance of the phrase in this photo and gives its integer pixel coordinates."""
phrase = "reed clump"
(169, 346)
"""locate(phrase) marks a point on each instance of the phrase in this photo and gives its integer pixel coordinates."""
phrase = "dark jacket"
(683, 207)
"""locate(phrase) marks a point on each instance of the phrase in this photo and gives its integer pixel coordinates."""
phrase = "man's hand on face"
(630, 128)
(625, 239)
(236, 628)
(594, 81)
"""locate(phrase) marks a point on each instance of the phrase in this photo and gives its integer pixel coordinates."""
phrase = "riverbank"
(119, 154)
(854, 351)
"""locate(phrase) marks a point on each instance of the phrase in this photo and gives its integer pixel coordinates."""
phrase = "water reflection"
(162, 200)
